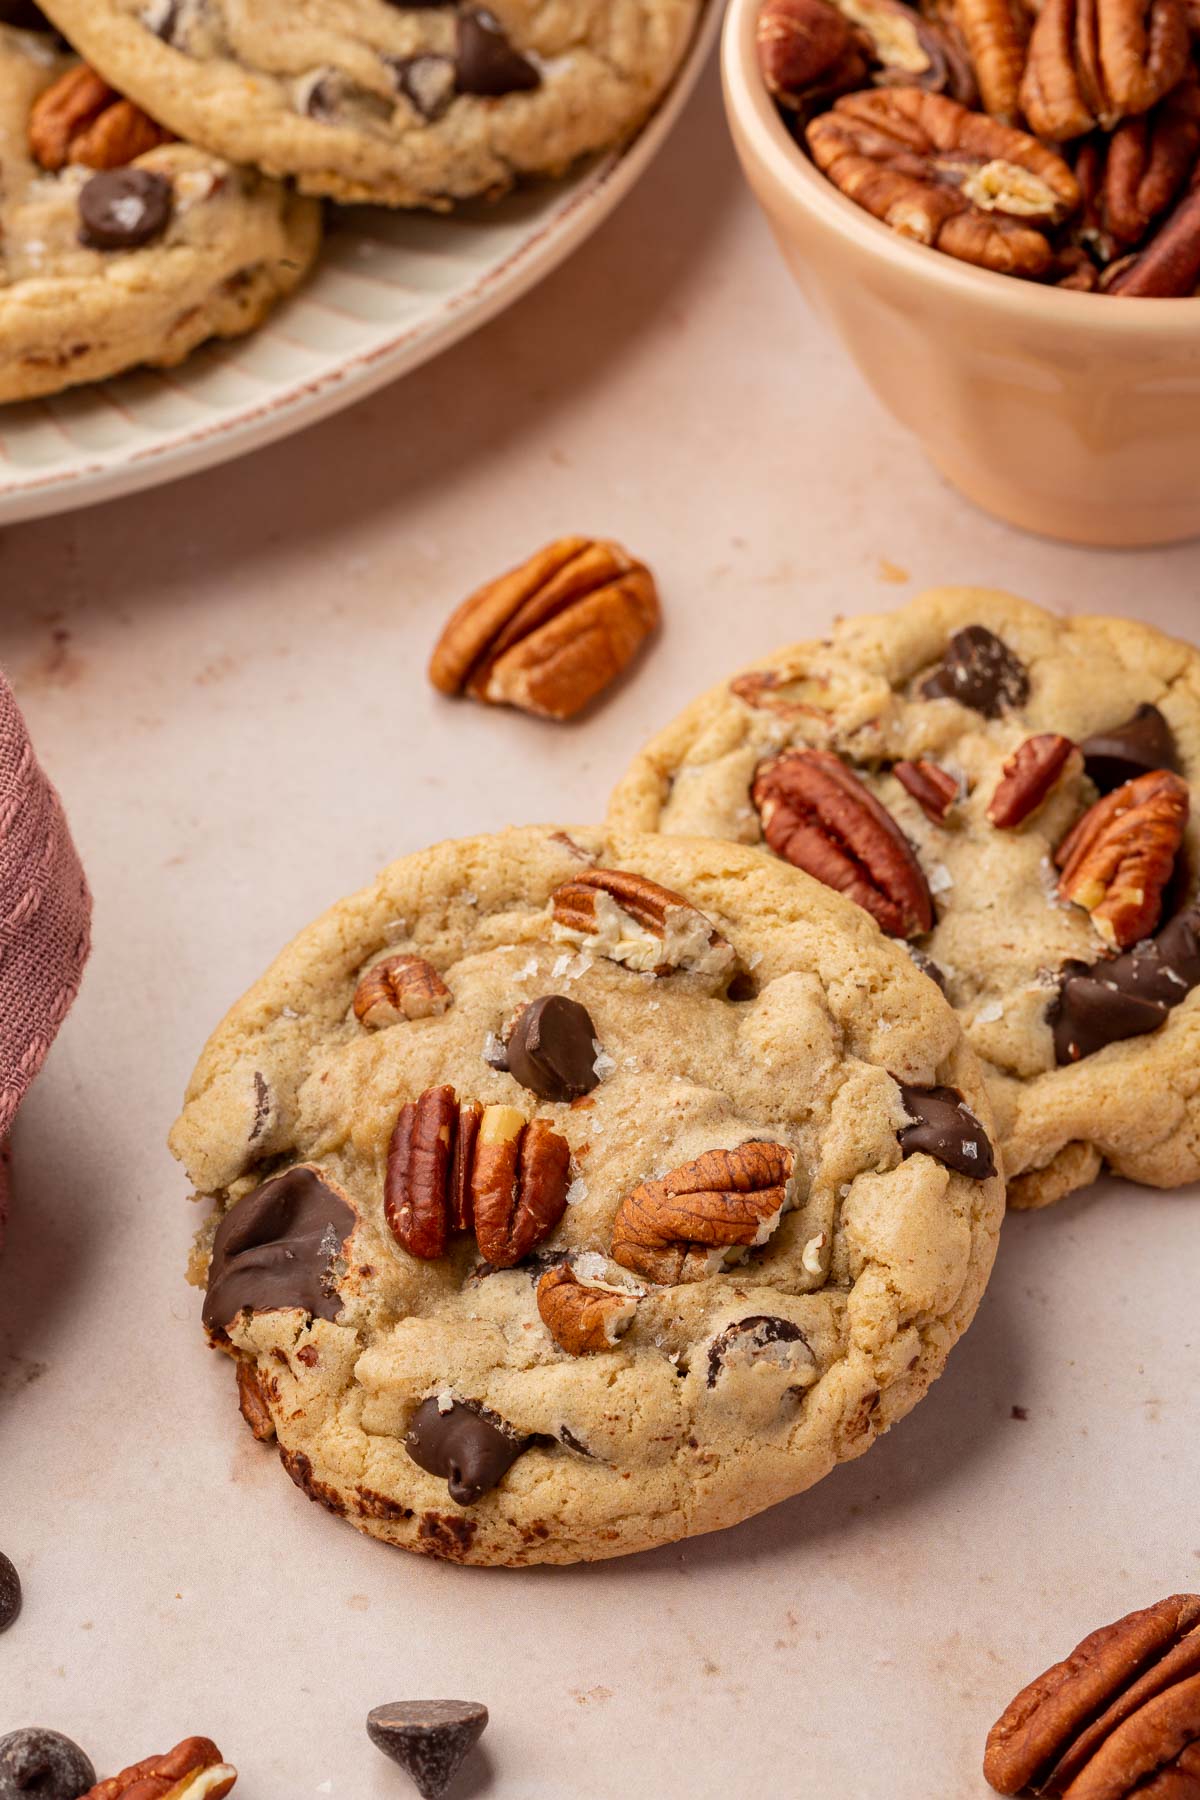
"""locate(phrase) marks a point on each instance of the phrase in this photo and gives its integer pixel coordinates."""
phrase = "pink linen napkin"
(45, 919)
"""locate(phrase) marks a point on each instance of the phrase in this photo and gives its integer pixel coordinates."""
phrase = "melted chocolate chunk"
(428, 1738)
(750, 1336)
(487, 63)
(43, 1764)
(551, 1048)
(980, 671)
(469, 1446)
(10, 1593)
(1128, 995)
(427, 82)
(945, 1128)
(927, 966)
(122, 209)
(277, 1248)
(1142, 743)
(24, 14)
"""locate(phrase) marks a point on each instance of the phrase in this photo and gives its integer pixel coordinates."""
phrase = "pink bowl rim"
(751, 108)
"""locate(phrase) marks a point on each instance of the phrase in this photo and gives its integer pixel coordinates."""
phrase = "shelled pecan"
(193, 1770)
(80, 119)
(400, 987)
(1131, 178)
(1120, 856)
(706, 1213)
(1027, 778)
(931, 786)
(909, 49)
(809, 52)
(632, 920)
(1169, 267)
(583, 1316)
(997, 38)
(1096, 62)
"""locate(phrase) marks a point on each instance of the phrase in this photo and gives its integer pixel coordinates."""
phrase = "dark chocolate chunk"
(1128, 995)
(427, 82)
(36, 1764)
(277, 1248)
(10, 1593)
(944, 1127)
(428, 1738)
(468, 1445)
(122, 209)
(568, 1437)
(24, 14)
(487, 62)
(551, 1048)
(980, 671)
(750, 1336)
(927, 966)
(1142, 743)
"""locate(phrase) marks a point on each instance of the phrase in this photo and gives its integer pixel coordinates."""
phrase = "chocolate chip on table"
(36, 1764)
(551, 1048)
(122, 209)
(944, 1127)
(1144, 742)
(10, 1593)
(277, 1248)
(980, 671)
(1125, 996)
(470, 1447)
(487, 63)
(428, 1738)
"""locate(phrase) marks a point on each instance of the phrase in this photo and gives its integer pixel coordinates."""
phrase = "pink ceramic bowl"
(1076, 415)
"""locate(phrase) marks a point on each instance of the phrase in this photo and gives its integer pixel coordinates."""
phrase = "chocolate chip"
(468, 1445)
(428, 1738)
(749, 1338)
(10, 1593)
(1125, 996)
(567, 1436)
(927, 966)
(23, 14)
(1142, 743)
(122, 209)
(551, 1048)
(980, 671)
(277, 1248)
(36, 1764)
(945, 1128)
(487, 63)
(427, 82)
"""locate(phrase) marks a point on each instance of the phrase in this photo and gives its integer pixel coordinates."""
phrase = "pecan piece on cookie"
(933, 788)
(705, 1214)
(519, 1181)
(817, 815)
(808, 52)
(400, 987)
(253, 1404)
(548, 636)
(1120, 856)
(948, 177)
(80, 119)
(426, 1190)
(583, 1316)
(193, 1770)
(1096, 62)
(1027, 778)
(632, 920)
(1119, 1716)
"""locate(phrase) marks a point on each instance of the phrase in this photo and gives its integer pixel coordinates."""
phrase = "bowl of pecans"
(984, 202)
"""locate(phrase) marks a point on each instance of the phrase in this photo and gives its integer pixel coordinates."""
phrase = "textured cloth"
(45, 917)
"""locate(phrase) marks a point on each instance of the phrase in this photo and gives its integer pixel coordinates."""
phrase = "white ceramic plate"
(391, 291)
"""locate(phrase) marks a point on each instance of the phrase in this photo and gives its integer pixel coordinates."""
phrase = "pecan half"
(252, 1402)
(1117, 860)
(933, 788)
(426, 1190)
(80, 119)
(703, 1215)
(1169, 267)
(1124, 1705)
(1131, 178)
(580, 1316)
(632, 920)
(518, 1184)
(548, 636)
(193, 1770)
(1027, 778)
(997, 35)
(808, 52)
(1096, 62)
(945, 176)
(819, 816)
(400, 987)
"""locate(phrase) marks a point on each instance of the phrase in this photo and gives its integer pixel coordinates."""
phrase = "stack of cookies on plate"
(573, 1190)
(162, 161)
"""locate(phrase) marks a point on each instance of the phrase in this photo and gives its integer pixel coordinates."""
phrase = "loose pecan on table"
(1096, 62)
(1120, 856)
(1119, 1717)
(548, 636)
(582, 1316)
(632, 920)
(693, 1221)
(80, 119)
(819, 816)
(1027, 778)
(193, 1770)
(400, 987)
(946, 176)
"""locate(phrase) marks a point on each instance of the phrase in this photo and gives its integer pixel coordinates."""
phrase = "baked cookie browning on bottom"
(737, 1257)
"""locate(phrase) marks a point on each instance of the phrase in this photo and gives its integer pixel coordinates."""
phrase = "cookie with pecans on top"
(1009, 793)
(571, 1193)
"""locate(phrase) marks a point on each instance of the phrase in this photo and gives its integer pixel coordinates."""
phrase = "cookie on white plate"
(571, 1194)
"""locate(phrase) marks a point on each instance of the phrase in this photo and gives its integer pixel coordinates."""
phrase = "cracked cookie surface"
(224, 245)
(404, 105)
(1102, 1070)
(760, 1252)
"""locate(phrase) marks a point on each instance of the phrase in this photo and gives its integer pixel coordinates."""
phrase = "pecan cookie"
(408, 105)
(118, 245)
(1007, 791)
(572, 1194)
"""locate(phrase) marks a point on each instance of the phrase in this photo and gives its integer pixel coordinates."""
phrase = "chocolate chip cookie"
(1008, 792)
(408, 105)
(118, 245)
(571, 1194)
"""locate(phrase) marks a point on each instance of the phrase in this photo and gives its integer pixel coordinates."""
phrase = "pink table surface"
(224, 679)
